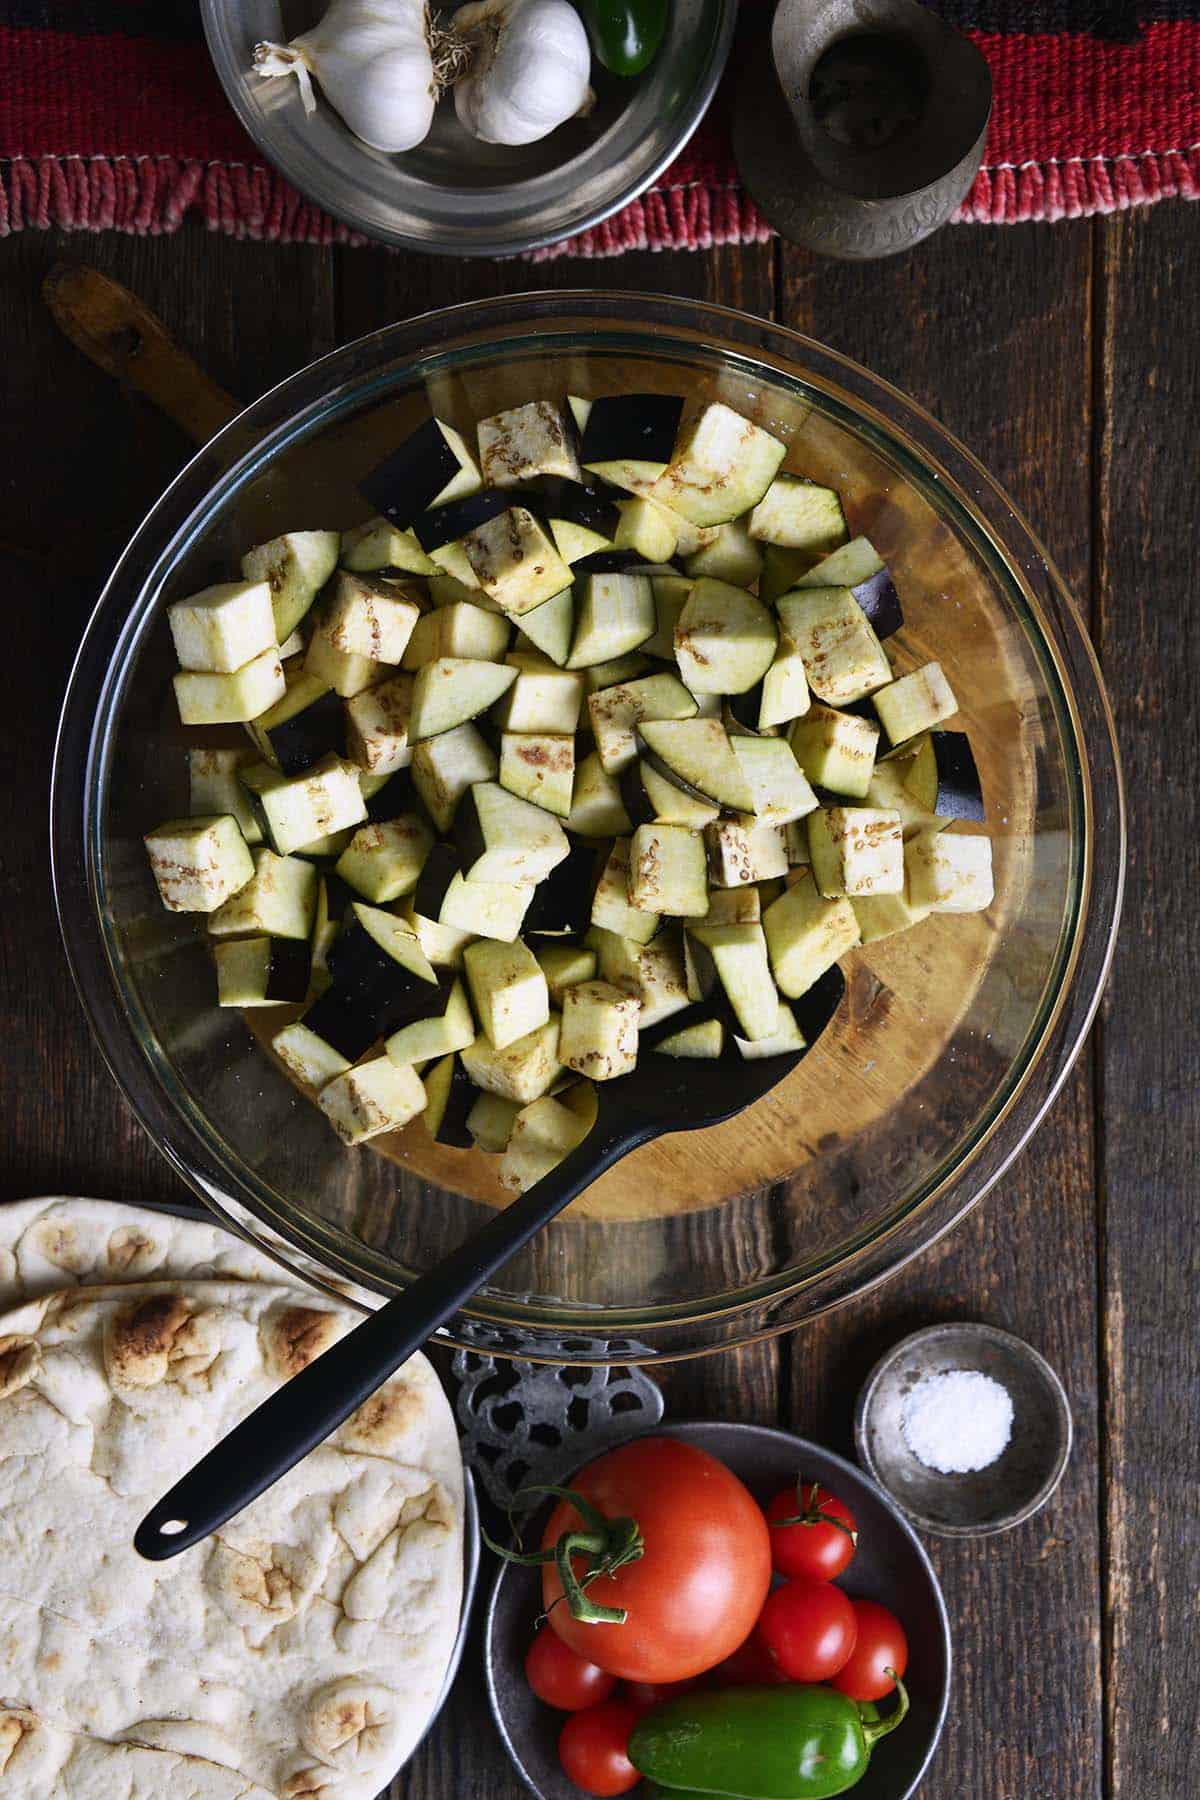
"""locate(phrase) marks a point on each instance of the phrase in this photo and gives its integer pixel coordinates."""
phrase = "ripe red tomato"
(561, 1678)
(823, 1545)
(751, 1665)
(591, 1748)
(646, 1695)
(881, 1645)
(810, 1629)
(695, 1592)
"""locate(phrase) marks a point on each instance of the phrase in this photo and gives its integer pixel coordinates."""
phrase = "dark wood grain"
(1012, 378)
(1149, 1094)
(1008, 336)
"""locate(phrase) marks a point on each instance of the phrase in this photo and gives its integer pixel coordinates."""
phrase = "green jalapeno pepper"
(779, 1743)
(625, 33)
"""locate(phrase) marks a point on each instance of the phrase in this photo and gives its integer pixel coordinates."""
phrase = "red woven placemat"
(111, 119)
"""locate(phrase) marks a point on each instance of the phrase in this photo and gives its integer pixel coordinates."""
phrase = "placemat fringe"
(151, 196)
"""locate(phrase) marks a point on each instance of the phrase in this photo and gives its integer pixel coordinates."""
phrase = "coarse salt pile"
(958, 1421)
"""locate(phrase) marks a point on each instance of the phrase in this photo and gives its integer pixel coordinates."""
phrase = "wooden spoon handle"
(112, 327)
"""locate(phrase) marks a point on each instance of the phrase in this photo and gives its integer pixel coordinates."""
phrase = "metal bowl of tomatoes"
(748, 1638)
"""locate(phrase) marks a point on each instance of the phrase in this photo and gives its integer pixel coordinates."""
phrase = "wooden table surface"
(1067, 357)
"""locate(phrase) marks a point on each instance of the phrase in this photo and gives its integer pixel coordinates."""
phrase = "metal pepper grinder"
(861, 124)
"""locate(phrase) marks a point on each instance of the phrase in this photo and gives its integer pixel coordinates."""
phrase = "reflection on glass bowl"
(954, 1037)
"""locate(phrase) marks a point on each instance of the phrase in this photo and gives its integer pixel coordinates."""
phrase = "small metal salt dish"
(1009, 1490)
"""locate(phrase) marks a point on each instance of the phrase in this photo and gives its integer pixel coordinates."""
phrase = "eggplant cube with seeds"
(506, 839)
(347, 672)
(616, 712)
(741, 851)
(843, 658)
(383, 861)
(444, 767)
(611, 907)
(915, 703)
(300, 809)
(491, 1120)
(599, 1030)
(206, 698)
(722, 466)
(806, 934)
(378, 1096)
(452, 690)
(614, 614)
(223, 627)
(857, 851)
(371, 616)
(198, 864)
(514, 561)
(836, 750)
(295, 567)
(279, 900)
(521, 1071)
(653, 973)
(949, 873)
(725, 639)
(524, 442)
(377, 726)
(667, 872)
(508, 990)
(539, 767)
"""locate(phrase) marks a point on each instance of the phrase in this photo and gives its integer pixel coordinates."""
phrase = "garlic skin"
(372, 61)
(529, 72)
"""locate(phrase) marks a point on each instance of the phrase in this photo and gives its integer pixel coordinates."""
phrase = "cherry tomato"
(751, 1665)
(591, 1748)
(561, 1678)
(695, 1592)
(647, 1694)
(881, 1645)
(810, 1629)
(823, 1545)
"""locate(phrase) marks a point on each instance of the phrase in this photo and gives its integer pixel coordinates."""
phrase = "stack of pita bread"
(298, 1652)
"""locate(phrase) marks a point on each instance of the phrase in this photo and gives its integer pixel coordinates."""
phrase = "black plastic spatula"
(663, 1094)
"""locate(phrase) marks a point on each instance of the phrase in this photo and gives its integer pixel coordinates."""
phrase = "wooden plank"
(1150, 1099)
(990, 330)
(92, 459)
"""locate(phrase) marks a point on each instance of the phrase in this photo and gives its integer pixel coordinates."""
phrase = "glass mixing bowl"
(954, 1038)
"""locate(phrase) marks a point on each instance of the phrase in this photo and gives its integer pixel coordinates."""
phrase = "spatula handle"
(302, 1413)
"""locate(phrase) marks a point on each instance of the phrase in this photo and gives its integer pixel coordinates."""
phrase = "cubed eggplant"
(298, 730)
(444, 525)
(562, 903)
(631, 428)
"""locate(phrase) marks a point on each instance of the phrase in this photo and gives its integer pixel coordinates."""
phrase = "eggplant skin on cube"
(449, 1096)
(302, 727)
(943, 778)
(562, 904)
(432, 467)
(501, 838)
(261, 971)
(859, 567)
(625, 428)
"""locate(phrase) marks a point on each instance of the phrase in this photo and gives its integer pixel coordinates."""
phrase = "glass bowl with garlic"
(497, 127)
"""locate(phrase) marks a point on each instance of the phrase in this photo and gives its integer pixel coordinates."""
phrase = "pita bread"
(299, 1651)
(51, 1242)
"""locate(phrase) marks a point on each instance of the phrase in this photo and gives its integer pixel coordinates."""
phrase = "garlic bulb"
(373, 62)
(529, 72)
